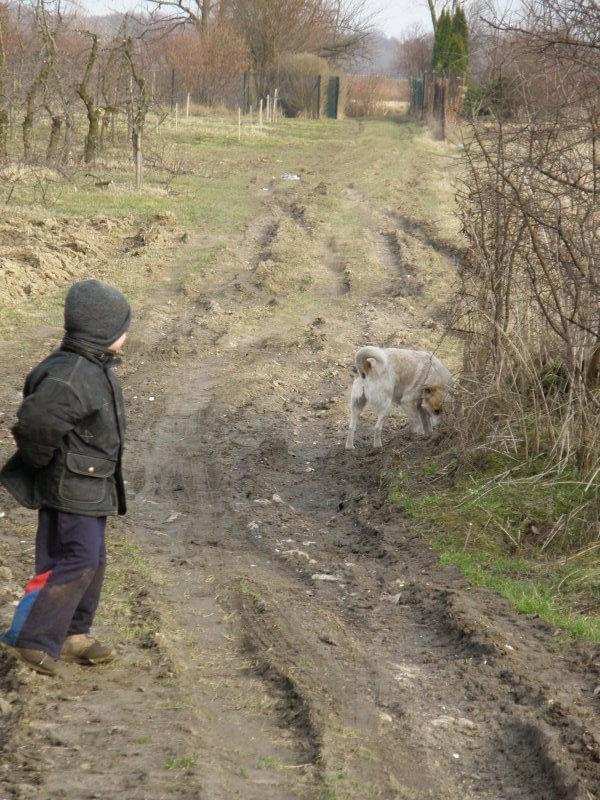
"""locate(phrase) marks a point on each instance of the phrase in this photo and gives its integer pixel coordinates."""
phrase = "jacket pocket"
(84, 478)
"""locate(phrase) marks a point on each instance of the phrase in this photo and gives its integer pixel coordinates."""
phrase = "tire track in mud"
(125, 713)
(391, 679)
(434, 678)
(295, 702)
(446, 656)
(179, 481)
(335, 262)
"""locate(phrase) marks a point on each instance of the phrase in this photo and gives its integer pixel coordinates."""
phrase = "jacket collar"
(93, 352)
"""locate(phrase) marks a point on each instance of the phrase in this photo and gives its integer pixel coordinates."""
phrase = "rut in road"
(297, 638)
(392, 663)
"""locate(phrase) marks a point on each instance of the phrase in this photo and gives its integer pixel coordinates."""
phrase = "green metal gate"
(417, 95)
(333, 97)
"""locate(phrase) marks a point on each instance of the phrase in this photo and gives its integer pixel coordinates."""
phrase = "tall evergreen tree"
(458, 61)
(451, 43)
(460, 27)
(441, 53)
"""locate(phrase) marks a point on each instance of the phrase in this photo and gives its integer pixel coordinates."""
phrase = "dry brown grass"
(373, 95)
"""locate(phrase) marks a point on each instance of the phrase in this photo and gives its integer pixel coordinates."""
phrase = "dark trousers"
(62, 597)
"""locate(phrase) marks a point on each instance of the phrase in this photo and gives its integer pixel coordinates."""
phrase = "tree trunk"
(134, 143)
(94, 113)
(66, 148)
(4, 118)
(92, 139)
(432, 11)
(54, 140)
(206, 8)
(27, 126)
(138, 105)
(106, 124)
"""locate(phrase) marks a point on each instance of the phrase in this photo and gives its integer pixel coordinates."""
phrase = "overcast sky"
(395, 15)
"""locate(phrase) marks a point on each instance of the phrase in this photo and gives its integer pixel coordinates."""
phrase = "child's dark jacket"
(70, 435)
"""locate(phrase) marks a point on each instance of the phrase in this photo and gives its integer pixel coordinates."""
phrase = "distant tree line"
(59, 66)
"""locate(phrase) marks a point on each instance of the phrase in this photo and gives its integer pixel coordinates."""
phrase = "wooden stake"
(268, 108)
(260, 112)
(176, 115)
(239, 123)
(187, 107)
(275, 105)
(251, 108)
(138, 162)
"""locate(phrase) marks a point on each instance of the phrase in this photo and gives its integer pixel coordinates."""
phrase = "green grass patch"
(340, 786)
(126, 583)
(268, 762)
(182, 762)
(518, 529)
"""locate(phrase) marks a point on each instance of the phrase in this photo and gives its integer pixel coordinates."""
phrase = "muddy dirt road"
(296, 639)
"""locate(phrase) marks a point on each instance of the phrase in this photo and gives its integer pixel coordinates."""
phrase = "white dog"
(414, 379)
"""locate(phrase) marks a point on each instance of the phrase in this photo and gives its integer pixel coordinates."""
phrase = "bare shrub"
(209, 62)
(297, 80)
(374, 95)
(413, 57)
(365, 96)
(529, 298)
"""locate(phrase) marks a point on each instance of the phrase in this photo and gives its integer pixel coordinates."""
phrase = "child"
(69, 437)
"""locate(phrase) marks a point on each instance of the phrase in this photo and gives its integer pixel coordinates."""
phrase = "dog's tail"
(366, 357)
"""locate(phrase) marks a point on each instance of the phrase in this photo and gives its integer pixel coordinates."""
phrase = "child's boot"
(84, 649)
(37, 660)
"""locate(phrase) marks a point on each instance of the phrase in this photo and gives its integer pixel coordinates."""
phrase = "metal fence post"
(318, 114)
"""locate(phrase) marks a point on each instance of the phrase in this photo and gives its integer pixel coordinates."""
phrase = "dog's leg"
(384, 410)
(410, 407)
(425, 418)
(357, 402)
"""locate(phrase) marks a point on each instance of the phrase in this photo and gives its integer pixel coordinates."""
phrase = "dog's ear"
(366, 368)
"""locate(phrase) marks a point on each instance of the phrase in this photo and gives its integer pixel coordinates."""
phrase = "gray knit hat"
(96, 313)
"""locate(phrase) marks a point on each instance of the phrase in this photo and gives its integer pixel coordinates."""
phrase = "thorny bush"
(529, 288)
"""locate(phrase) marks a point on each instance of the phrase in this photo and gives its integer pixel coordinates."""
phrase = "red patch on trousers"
(38, 581)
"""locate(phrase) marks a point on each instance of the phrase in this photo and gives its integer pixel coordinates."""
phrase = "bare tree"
(109, 89)
(54, 99)
(208, 63)
(436, 7)
(140, 100)
(177, 12)
(323, 27)
(330, 28)
(94, 112)
(42, 71)
(413, 56)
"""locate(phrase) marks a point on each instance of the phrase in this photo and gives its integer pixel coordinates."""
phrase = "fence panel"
(438, 99)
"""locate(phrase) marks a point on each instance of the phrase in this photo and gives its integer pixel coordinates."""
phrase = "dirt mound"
(40, 253)
(157, 229)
